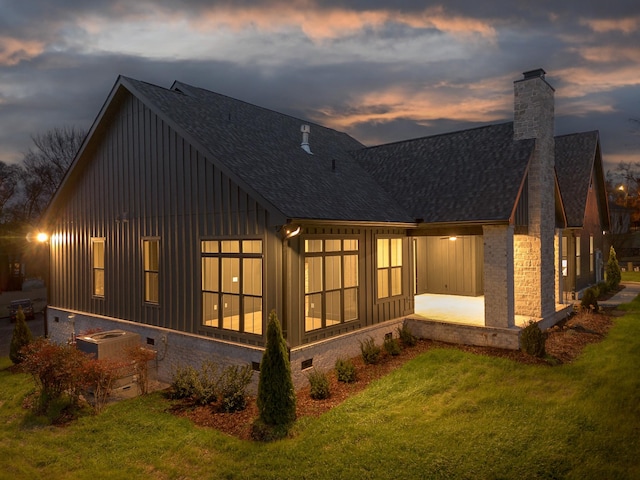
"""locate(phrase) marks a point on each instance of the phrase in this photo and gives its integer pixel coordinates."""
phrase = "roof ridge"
(445, 134)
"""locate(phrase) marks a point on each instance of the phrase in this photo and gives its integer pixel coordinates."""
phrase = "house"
(187, 216)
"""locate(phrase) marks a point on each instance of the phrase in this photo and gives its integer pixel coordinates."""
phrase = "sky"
(378, 72)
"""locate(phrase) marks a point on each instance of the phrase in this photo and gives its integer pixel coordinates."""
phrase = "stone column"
(498, 276)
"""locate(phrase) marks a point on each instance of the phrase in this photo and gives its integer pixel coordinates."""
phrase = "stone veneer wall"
(534, 252)
(498, 275)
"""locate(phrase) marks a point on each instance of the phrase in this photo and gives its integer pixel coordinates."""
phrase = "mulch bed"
(564, 343)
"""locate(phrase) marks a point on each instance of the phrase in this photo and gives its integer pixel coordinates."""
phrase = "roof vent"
(305, 129)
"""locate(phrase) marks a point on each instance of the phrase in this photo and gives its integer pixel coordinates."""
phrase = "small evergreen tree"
(276, 396)
(21, 337)
(613, 269)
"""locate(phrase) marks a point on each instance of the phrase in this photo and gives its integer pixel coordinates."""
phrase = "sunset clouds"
(378, 70)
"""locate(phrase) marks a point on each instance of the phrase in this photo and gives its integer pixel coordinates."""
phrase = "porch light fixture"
(42, 237)
(291, 231)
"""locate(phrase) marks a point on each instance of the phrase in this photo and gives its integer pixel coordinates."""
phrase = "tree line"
(26, 188)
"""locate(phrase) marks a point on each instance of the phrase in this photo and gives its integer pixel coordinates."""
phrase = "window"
(591, 254)
(232, 285)
(577, 256)
(97, 265)
(151, 254)
(389, 265)
(565, 258)
(330, 282)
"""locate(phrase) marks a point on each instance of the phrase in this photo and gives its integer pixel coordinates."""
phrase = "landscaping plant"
(613, 272)
(345, 370)
(276, 399)
(370, 351)
(533, 340)
(20, 339)
(319, 383)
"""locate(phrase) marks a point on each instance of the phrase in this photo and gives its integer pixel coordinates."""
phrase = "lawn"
(631, 276)
(446, 414)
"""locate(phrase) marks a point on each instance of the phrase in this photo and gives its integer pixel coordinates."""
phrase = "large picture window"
(330, 282)
(389, 267)
(232, 285)
(97, 265)
(151, 262)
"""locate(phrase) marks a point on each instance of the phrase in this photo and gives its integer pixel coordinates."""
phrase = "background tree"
(9, 187)
(43, 168)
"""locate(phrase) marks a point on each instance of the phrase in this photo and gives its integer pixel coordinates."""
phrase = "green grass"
(446, 414)
(630, 276)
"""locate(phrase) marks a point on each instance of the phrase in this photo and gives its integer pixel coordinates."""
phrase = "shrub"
(407, 338)
(590, 299)
(199, 386)
(56, 369)
(140, 358)
(532, 340)
(21, 338)
(99, 377)
(370, 351)
(232, 387)
(391, 345)
(345, 370)
(276, 397)
(319, 382)
(613, 273)
(183, 381)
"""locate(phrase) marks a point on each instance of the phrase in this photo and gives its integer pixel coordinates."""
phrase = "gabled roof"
(578, 163)
(261, 150)
(468, 176)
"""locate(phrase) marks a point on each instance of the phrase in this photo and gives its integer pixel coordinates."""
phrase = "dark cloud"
(57, 83)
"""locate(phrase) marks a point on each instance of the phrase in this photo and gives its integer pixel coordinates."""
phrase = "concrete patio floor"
(459, 309)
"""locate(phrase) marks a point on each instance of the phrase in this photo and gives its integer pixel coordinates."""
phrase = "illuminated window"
(330, 282)
(232, 285)
(577, 256)
(98, 266)
(565, 258)
(151, 261)
(389, 267)
(591, 253)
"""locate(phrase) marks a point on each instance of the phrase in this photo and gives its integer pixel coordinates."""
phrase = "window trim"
(219, 295)
(94, 269)
(145, 241)
(323, 254)
(390, 268)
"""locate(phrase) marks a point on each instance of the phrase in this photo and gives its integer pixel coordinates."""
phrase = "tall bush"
(613, 269)
(21, 337)
(276, 396)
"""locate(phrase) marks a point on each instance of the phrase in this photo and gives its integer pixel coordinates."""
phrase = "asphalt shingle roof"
(468, 176)
(262, 149)
(575, 154)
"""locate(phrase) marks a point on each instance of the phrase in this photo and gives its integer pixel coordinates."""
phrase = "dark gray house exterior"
(187, 216)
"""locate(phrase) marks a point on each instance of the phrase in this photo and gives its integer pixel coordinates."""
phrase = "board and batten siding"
(144, 180)
(371, 310)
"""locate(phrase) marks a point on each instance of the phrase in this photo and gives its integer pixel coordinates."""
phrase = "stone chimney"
(535, 251)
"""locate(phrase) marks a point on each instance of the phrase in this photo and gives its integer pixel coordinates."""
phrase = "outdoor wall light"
(42, 237)
(291, 231)
(453, 238)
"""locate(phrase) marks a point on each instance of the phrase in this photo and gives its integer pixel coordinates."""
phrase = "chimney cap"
(537, 73)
